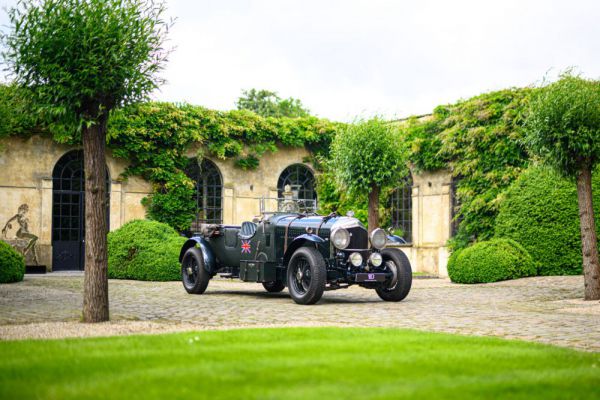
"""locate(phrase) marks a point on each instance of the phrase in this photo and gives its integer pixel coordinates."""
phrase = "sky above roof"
(358, 58)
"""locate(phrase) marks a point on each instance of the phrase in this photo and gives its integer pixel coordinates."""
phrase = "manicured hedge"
(12, 264)
(144, 250)
(490, 261)
(540, 212)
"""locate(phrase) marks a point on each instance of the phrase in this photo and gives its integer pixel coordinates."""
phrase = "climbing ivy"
(156, 139)
(481, 141)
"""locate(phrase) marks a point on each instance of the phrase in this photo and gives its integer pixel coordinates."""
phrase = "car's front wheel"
(397, 287)
(193, 274)
(306, 276)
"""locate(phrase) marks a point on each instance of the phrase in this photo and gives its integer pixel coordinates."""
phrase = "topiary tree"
(144, 250)
(12, 264)
(539, 210)
(366, 157)
(563, 129)
(81, 59)
(490, 261)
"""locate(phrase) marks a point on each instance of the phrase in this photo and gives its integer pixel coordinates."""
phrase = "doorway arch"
(68, 212)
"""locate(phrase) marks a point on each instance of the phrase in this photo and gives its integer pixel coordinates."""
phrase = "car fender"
(299, 241)
(395, 239)
(210, 264)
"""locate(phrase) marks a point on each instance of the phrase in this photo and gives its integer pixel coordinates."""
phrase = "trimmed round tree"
(563, 130)
(80, 59)
(366, 157)
(12, 264)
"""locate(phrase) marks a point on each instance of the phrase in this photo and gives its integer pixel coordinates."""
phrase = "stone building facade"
(41, 197)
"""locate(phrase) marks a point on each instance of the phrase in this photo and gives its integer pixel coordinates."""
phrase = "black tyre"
(193, 274)
(397, 288)
(306, 276)
(274, 287)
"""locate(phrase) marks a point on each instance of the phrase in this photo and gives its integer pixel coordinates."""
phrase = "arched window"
(208, 192)
(401, 207)
(301, 179)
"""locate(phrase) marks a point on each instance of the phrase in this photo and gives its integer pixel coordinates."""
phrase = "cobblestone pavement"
(542, 309)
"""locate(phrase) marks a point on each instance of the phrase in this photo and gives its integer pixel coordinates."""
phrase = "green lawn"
(295, 363)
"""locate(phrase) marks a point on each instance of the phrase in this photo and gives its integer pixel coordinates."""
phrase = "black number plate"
(370, 277)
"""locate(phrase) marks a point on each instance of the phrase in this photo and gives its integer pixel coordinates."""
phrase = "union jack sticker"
(246, 246)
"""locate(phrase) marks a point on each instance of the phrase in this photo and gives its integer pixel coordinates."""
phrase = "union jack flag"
(246, 246)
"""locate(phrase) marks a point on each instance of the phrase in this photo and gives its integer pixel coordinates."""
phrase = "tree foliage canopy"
(269, 104)
(366, 154)
(563, 126)
(81, 58)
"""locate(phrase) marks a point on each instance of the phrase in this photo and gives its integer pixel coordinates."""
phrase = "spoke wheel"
(193, 274)
(397, 287)
(306, 274)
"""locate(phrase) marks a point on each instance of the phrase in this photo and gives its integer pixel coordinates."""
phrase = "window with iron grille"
(401, 208)
(208, 192)
(300, 178)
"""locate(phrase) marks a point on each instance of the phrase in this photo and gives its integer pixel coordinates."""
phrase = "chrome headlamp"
(356, 259)
(376, 259)
(378, 238)
(340, 238)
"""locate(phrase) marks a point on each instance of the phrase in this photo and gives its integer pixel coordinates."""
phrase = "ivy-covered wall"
(480, 141)
(155, 137)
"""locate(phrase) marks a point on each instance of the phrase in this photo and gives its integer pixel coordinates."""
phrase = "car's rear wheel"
(274, 286)
(193, 274)
(306, 276)
(396, 288)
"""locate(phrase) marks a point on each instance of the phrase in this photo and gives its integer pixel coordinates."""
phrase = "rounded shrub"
(12, 264)
(490, 261)
(540, 211)
(144, 250)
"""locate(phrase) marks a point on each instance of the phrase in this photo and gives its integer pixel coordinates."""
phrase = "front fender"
(299, 241)
(210, 264)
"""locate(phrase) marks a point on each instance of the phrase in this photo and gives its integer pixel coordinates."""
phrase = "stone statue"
(23, 231)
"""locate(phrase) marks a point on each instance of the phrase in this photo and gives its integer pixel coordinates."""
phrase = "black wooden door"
(68, 213)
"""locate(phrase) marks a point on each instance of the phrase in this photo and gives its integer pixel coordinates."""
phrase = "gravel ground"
(542, 309)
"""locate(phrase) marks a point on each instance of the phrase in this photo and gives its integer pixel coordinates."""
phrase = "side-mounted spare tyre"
(306, 276)
(396, 288)
(193, 274)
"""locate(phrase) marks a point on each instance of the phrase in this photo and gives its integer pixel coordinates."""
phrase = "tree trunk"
(373, 218)
(95, 291)
(589, 244)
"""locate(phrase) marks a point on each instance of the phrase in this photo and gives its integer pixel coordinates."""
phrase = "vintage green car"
(306, 252)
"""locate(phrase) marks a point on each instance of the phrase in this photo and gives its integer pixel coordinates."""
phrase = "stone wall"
(431, 199)
(26, 167)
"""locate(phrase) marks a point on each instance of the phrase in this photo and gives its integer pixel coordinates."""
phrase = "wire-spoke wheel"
(306, 275)
(193, 274)
(397, 287)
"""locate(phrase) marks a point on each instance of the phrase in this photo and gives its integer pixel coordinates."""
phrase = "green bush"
(540, 211)
(12, 264)
(144, 250)
(490, 261)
